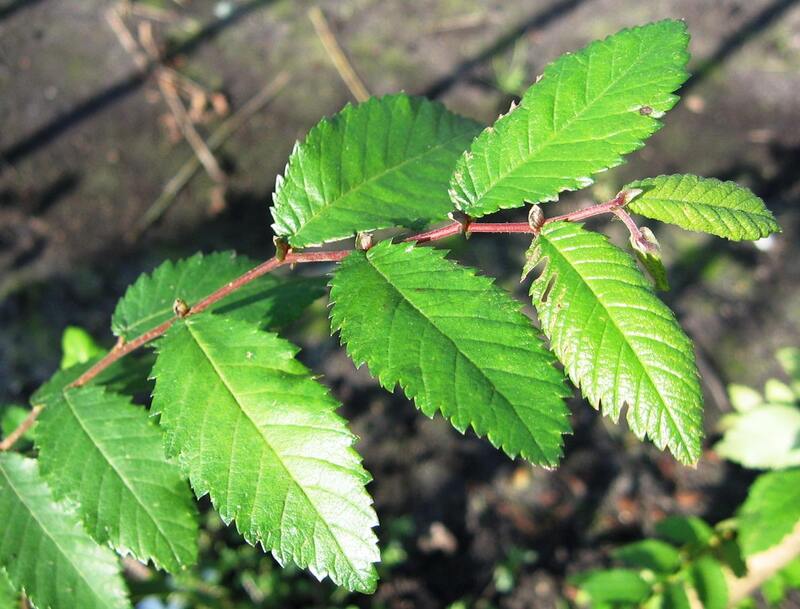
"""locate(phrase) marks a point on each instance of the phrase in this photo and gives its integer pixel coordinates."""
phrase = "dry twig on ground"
(341, 63)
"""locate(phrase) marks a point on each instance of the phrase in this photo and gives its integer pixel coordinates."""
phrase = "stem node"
(536, 219)
(180, 308)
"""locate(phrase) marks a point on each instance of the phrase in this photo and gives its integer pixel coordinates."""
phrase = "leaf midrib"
(314, 216)
(122, 478)
(45, 531)
(613, 321)
(422, 314)
(243, 410)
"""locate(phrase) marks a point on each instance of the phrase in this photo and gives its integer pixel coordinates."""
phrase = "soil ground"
(84, 154)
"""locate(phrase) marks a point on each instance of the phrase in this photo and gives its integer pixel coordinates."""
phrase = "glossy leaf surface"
(588, 110)
(258, 434)
(771, 511)
(707, 205)
(46, 551)
(383, 163)
(455, 343)
(618, 342)
(104, 453)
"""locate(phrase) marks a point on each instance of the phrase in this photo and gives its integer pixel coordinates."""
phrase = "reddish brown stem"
(448, 230)
(594, 210)
(630, 224)
(505, 227)
(121, 349)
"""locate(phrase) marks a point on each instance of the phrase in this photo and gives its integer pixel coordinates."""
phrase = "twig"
(126, 39)
(166, 84)
(270, 265)
(26, 424)
(122, 349)
(337, 56)
(187, 171)
(630, 224)
(200, 148)
(170, 95)
(448, 230)
(153, 13)
(601, 208)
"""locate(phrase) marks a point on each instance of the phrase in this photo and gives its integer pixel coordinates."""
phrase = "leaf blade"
(103, 452)
(763, 438)
(771, 510)
(709, 580)
(683, 530)
(614, 337)
(582, 116)
(270, 300)
(613, 586)
(261, 437)
(499, 379)
(383, 163)
(81, 573)
(724, 209)
(650, 554)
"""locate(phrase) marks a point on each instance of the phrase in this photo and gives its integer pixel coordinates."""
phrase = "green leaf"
(791, 573)
(789, 359)
(104, 453)
(618, 342)
(724, 209)
(744, 398)
(455, 343)
(12, 417)
(649, 554)
(77, 346)
(588, 109)
(262, 438)
(127, 376)
(613, 586)
(685, 530)
(709, 581)
(9, 595)
(771, 511)
(763, 438)
(675, 597)
(44, 549)
(774, 590)
(779, 393)
(730, 554)
(269, 299)
(383, 163)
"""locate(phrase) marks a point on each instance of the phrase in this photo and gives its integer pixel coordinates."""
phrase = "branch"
(456, 227)
(623, 198)
(270, 265)
(629, 223)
